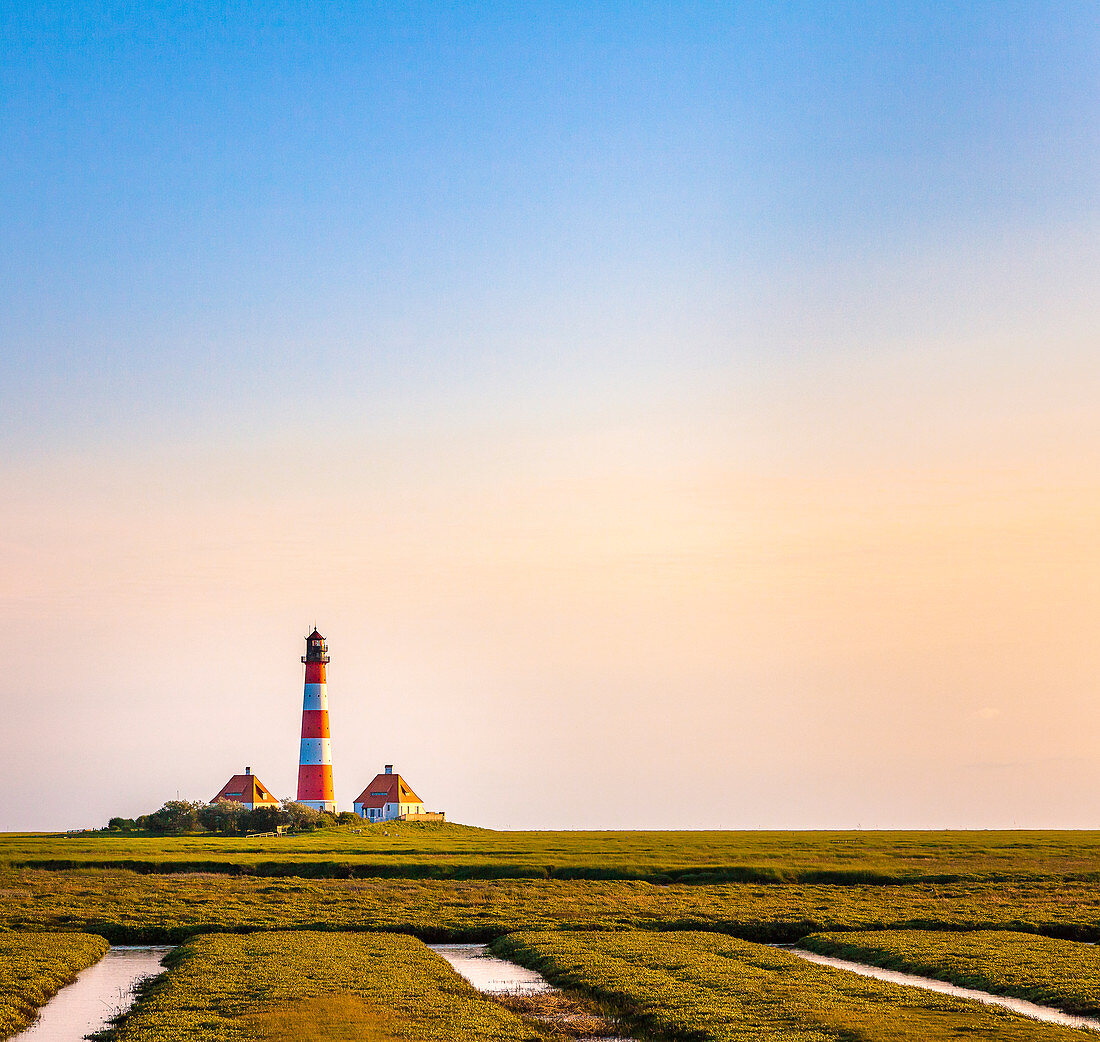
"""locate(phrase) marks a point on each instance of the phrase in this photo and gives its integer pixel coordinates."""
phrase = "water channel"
(98, 995)
(103, 991)
(1028, 1009)
(494, 976)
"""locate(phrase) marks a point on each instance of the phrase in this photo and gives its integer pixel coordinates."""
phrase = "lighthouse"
(315, 762)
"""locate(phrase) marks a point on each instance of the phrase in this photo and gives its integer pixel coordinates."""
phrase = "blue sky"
(198, 192)
(729, 308)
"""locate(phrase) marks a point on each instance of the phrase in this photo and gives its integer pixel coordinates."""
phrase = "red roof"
(246, 788)
(387, 788)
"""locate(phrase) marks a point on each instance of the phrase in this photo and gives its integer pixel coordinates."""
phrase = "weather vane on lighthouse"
(315, 763)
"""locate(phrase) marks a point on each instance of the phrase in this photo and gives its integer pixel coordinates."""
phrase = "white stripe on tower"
(316, 750)
(315, 698)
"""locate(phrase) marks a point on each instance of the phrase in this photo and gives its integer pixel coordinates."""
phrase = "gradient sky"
(674, 415)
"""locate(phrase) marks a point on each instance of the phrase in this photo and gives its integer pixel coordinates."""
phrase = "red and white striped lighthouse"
(315, 763)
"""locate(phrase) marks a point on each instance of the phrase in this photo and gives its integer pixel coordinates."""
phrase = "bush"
(175, 818)
(225, 816)
(302, 817)
(265, 819)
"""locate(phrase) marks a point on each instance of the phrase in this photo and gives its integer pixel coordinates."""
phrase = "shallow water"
(494, 976)
(1028, 1009)
(489, 974)
(97, 995)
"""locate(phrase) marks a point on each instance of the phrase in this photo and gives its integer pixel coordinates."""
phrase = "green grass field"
(309, 986)
(448, 851)
(1050, 972)
(710, 987)
(593, 907)
(33, 966)
(130, 907)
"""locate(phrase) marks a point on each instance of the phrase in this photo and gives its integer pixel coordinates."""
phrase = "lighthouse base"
(328, 806)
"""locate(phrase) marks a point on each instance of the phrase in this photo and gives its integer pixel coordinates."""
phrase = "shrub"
(226, 816)
(264, 819)
(300, 816)
(175, 818)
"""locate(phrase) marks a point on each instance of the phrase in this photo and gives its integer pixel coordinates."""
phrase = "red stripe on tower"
(315, 762)
(315, 723)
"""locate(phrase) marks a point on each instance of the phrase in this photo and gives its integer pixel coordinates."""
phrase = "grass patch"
(708, 987)
(34, 966)
(572, 1015)
(411, 850)
(1050, 972)
(327, 1018)
(128, 907)
(304, 986)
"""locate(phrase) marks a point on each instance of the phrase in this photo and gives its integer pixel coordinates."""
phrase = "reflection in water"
(97, 995)
(489, 974)
(1028, 1009)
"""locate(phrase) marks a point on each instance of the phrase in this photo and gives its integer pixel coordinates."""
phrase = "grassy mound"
(33, 966)
(303, 986)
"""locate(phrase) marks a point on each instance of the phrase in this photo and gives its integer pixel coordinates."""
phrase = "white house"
(387, 798)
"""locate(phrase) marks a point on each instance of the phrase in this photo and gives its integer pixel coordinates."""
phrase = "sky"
(674, 415)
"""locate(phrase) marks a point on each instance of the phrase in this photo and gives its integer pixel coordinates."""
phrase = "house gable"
(247, 789)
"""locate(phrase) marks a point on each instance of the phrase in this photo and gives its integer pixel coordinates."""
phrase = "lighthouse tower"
(315, 764)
